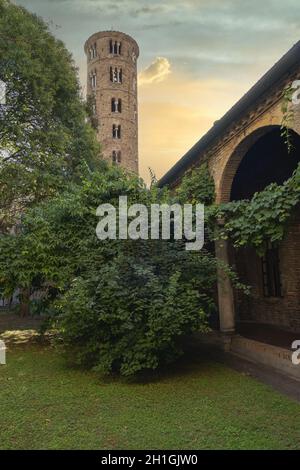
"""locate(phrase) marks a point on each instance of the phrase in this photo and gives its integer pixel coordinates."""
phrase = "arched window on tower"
(116, 105)
(115, 47)
(93, 78)
(116, 131)
(93, 51)
(116, 156)
(116, 75)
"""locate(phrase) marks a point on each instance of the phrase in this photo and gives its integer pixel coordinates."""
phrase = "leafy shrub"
(132, 312)
(197, 186)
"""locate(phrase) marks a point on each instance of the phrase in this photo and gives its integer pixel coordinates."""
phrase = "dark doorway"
(267, 161)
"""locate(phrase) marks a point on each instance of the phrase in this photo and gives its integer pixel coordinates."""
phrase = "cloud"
(149, 10)
(155, 72)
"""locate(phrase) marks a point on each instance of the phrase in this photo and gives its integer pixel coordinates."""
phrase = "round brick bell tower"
(112, 80)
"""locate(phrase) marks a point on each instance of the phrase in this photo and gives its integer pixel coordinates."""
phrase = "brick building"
(112, 81)
(245, 152)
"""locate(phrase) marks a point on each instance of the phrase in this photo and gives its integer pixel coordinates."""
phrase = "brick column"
(225, 291)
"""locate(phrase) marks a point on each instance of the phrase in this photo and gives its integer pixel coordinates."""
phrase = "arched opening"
(267, 161)
(274, 278)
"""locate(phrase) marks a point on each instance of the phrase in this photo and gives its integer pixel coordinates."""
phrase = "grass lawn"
(197, 405)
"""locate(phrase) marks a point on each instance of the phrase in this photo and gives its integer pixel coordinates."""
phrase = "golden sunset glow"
(174, 114)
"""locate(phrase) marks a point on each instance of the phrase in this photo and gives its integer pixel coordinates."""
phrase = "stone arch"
(233, 162)
(236, 157)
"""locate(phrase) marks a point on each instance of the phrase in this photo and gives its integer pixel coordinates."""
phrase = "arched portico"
(258, 159)
(233, 149)
(235, 158)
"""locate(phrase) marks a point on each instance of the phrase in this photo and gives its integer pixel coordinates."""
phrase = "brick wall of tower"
(105, 90)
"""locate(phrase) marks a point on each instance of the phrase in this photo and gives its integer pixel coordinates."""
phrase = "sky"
(197, 58)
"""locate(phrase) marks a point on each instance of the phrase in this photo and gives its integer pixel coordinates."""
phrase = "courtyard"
(197, 404)
(125, 326)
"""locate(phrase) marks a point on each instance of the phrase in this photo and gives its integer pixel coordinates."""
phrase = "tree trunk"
(25, 298)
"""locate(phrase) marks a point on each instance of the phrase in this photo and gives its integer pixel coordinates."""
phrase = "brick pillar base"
(225, 292)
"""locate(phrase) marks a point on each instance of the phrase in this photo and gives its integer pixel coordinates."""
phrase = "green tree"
(44, 135)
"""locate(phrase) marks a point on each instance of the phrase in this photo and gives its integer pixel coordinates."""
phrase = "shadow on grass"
(191, 361)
